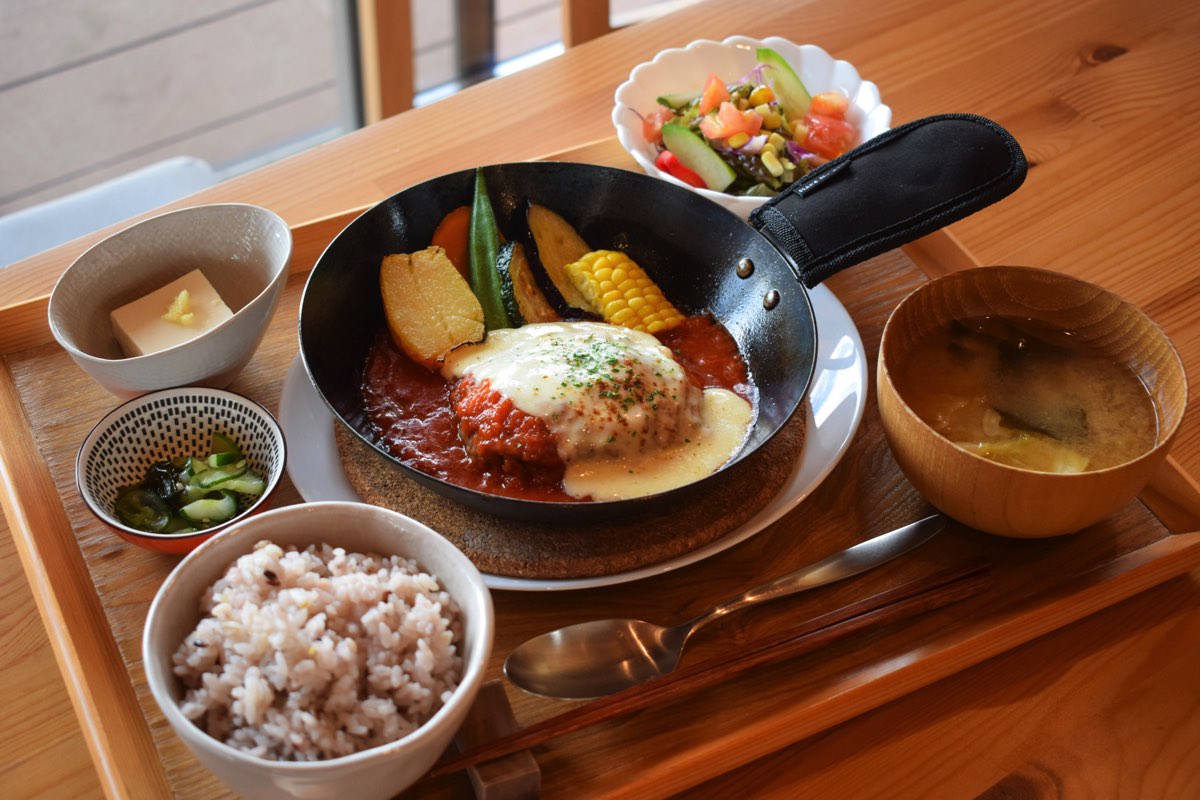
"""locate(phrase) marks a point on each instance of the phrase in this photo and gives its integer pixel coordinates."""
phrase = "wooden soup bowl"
(1006, 500)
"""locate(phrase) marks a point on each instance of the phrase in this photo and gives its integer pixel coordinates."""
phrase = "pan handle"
(905, 183)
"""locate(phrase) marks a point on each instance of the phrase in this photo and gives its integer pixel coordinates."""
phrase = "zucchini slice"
(508, 292)
(519, 288)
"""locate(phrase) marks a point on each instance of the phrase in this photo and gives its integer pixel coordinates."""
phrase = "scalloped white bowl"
(685, 69)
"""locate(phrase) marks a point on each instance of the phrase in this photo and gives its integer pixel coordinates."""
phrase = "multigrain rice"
(318, 653)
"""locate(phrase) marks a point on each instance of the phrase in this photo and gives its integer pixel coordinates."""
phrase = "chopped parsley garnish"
(606, 367)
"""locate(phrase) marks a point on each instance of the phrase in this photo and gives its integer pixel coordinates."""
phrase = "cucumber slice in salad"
(143, 509)
(211, 510)
(218, 475)
(188, 493)
(783, 80)
(678, 102)
(221, 443)
(247, 483)
(695, 154)
(223, 459)
(192, 467)
(192, 493)
(223, 451)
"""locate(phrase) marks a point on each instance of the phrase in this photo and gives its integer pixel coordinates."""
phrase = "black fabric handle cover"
(904, 183)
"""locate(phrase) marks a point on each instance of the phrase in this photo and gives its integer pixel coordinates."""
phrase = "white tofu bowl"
(380, 771)
(684, 71)
(244, 251)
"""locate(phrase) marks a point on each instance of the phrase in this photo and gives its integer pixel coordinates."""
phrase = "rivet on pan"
(745, 268)
(771, 299)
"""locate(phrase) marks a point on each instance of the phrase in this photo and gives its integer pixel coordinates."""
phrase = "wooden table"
(1098, 94)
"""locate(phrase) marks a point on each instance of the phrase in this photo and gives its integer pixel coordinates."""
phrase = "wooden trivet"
(556, 551)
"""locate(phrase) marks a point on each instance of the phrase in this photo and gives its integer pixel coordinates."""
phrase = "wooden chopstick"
(887, 607)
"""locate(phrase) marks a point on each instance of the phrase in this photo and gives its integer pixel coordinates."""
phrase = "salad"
(752, 137)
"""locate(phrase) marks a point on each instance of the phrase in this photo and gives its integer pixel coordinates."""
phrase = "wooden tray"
(94, 590)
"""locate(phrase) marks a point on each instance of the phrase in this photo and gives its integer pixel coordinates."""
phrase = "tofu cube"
(176, 313)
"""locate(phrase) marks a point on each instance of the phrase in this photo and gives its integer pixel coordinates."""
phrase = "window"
(92, 92)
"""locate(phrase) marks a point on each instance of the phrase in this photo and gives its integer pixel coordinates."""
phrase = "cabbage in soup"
(1021, 393)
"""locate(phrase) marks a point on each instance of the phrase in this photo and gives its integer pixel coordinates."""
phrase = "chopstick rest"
(507, 777)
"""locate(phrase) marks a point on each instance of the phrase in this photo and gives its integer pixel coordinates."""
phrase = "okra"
(484, 252)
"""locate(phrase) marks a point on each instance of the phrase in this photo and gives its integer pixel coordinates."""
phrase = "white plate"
(837, 399)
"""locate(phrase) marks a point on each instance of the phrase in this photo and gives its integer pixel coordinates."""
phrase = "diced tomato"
(669, 163)
(715, 93)
(729, 120)
(828, 136)
(652, 123)
(830, 104)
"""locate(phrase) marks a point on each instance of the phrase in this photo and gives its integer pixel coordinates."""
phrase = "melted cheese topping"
(726, 419)
(627, 419)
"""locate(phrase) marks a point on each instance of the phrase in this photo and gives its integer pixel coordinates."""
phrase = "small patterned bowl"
(170, 423)
(683, 69)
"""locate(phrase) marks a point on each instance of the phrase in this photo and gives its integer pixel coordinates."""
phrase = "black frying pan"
(901, 185)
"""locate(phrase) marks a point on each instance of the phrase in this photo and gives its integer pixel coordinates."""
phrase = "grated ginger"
(180, 311)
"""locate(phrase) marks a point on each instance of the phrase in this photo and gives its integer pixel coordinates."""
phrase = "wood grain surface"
(1102, 97)
(1038, 586)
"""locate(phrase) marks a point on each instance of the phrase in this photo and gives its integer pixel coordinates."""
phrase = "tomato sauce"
(709, 354)
(412, 409)
(503, 437)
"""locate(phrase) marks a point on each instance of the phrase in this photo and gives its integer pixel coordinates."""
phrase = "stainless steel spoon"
(598, 658)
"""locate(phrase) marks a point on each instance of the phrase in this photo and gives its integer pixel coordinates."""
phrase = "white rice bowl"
(318, 653)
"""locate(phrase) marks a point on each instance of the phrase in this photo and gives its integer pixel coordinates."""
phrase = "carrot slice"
(451, 235)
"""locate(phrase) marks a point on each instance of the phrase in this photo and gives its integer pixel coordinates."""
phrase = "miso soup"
(1025, 394)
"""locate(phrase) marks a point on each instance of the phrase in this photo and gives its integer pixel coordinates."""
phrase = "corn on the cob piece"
(621, 292)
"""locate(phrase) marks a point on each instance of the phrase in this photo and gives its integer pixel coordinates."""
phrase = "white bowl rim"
(280, 274)
(474, 668)
(722, 198)
(89, 442)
